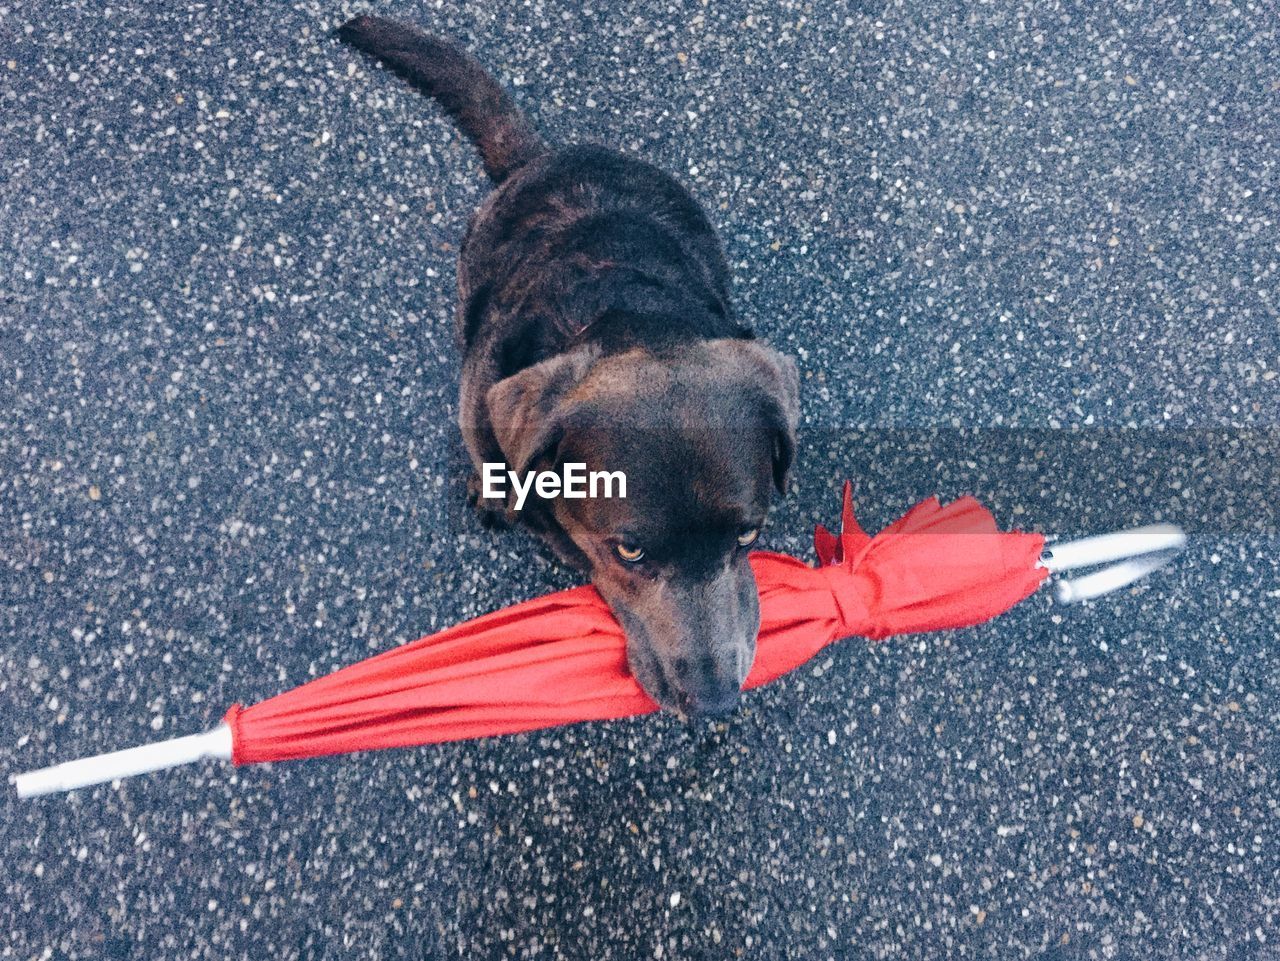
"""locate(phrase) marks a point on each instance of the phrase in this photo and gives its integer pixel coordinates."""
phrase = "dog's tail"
(467, 92)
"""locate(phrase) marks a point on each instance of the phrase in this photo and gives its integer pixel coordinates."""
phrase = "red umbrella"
(562, 658)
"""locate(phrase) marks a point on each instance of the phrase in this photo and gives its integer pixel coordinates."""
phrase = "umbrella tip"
(36, 783)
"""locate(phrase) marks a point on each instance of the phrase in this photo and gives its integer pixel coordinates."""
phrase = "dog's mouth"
(691, 640)
(657, 679)
(649, 673)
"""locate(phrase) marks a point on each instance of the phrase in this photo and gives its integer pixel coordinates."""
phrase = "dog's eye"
(748, 537)
(629, 553)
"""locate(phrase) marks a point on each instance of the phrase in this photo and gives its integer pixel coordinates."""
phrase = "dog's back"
(584, 233)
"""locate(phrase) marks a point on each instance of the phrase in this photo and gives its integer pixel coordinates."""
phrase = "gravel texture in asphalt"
(1024, 250)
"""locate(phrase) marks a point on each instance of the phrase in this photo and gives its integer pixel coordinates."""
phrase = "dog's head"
(704, 436)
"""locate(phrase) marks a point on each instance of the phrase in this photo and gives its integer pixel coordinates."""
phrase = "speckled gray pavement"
(1021, 250)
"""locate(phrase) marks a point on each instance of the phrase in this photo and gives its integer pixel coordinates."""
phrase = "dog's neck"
(615, 330)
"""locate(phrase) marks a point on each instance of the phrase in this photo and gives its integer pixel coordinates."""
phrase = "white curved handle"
(1109, 578)
(1113, 547)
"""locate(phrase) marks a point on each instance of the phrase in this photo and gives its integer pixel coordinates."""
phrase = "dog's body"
(595, 326)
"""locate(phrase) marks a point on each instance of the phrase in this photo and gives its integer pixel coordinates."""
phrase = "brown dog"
(596, 329)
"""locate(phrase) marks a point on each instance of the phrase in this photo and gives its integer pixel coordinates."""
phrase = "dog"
(595, 328)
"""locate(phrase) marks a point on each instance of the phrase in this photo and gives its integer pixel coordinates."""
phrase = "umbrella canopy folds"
(562, 658)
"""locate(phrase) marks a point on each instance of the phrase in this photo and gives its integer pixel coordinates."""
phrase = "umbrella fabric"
(562, 658)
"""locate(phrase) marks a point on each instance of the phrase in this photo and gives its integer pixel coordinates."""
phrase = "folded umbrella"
(562, 658)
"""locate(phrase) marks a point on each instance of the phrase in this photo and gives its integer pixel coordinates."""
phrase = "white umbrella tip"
(36, 783)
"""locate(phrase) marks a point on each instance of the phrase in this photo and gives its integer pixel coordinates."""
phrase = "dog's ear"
(782, 411)
(776, 379)
(529, 410)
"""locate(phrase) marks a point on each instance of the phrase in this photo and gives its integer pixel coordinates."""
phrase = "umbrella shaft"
(136, 760)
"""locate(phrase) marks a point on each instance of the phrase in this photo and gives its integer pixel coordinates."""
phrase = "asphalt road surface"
(1023, 250)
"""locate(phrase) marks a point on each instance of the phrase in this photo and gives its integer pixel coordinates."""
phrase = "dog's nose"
(716, 706)
(712, 698)
(704, 687)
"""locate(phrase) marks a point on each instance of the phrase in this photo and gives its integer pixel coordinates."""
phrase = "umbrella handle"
(1109, 578)
(70, 775)
(1113, 547)
(1139, 552)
